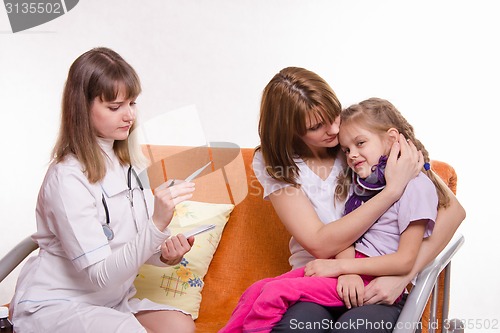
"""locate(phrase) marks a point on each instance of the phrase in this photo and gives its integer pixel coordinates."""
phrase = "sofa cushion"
(180, 285)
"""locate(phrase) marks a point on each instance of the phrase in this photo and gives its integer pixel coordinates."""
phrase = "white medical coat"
(70, 215)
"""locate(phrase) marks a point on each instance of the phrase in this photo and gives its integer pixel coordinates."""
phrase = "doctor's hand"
(174, 249)
(166, 198)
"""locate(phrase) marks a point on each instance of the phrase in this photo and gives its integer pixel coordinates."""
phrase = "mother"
(297, 164)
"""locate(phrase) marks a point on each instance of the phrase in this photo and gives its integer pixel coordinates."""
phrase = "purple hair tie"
(427, 166)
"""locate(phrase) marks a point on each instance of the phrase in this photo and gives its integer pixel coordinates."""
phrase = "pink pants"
(263, 304)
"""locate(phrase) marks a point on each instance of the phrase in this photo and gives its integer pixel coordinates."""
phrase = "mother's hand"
(166, 198)
(404, 164)
(385, 289)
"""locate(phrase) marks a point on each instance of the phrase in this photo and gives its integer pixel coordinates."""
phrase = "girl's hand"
(385, 289)
(404, 164)
(351, 288)
(166, 198)
(323, 267)
(174, 249)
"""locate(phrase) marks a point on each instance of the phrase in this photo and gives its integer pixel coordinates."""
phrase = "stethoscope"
(108, 232)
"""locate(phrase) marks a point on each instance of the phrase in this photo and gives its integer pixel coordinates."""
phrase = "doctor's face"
(113, 119)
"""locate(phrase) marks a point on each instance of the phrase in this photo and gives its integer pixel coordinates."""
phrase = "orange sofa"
(254, 244)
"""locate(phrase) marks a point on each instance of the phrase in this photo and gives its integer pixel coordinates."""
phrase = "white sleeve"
(156, 261)
(125, 262)
(269, 184)
(67, 207)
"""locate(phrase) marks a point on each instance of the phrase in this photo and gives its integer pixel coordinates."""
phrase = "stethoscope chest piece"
(108, 232)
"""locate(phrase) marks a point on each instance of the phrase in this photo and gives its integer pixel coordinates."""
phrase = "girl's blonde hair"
(100, 72)
(289, 99)
(380, 115)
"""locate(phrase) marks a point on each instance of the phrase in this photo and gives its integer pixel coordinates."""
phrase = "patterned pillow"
(180, 285)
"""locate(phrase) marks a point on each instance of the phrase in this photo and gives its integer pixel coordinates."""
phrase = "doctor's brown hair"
(289, 99)
(100, 72)
(379, 115)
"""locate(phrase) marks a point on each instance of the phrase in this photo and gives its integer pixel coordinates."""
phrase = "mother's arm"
(325, 241)
(297, 213)
(386, 289)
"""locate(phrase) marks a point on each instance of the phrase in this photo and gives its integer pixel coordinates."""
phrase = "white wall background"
(437, 61)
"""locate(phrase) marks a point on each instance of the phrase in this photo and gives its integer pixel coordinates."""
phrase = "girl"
(95, 222)
(298, 163)
(392, 243)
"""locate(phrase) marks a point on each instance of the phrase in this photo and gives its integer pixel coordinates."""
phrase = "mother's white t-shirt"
(320, 192)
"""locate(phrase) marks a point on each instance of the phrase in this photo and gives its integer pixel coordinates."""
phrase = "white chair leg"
(433, 315)
(446, 296)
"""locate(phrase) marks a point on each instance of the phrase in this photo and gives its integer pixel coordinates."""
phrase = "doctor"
(95, 222)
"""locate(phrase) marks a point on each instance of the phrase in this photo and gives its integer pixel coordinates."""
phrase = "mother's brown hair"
(292, 96)
(102, 73)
